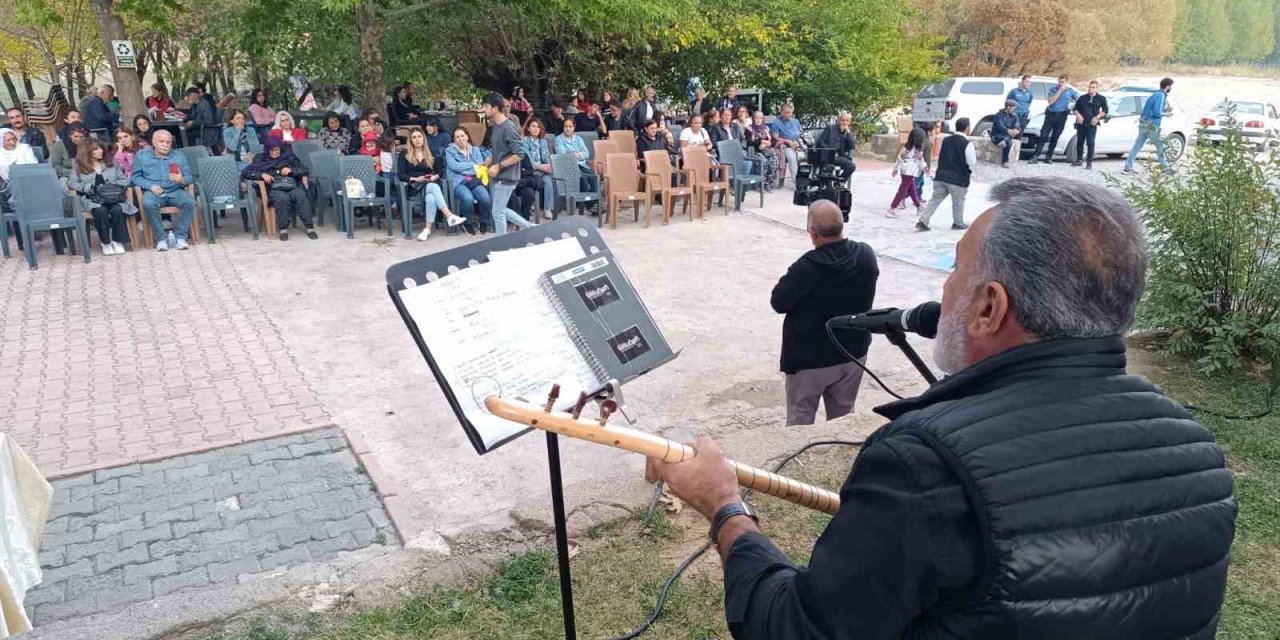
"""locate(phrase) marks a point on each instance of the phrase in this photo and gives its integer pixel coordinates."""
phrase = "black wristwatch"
(728, 511)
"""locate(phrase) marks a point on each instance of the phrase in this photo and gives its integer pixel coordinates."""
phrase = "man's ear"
(991, 310)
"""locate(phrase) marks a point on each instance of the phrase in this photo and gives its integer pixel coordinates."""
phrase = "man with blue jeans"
(1021, 97)
(1055, 118)
(1149, 126)
(786, 131)
(164, 176)
(504, 164)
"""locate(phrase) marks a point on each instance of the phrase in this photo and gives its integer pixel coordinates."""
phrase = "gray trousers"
(940, 192)
(837, 387)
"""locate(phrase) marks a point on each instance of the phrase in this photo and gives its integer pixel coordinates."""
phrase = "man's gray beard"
(949, 348)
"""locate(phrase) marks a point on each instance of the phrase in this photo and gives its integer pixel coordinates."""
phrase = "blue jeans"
(432, 202)
(473, 201)
(501, 214)
(1147, 131)
(186, 205)
(548, 193)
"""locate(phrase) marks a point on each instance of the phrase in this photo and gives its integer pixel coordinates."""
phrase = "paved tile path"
(141, 357)
(128, 534)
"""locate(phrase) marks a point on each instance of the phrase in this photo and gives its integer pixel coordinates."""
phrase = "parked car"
(1258, 122)
(977, 99)
(1119, 129)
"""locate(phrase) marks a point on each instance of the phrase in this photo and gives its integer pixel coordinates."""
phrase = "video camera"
(819, 178)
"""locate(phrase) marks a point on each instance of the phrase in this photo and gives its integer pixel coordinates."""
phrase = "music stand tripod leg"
(562, 537)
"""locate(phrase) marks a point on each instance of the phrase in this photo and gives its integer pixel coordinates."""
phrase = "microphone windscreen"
(925, 318)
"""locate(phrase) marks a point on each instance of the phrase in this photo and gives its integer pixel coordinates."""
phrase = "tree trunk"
(128, 82)
(13, 89)
(69, 84)
(370, 26)
(27, 86)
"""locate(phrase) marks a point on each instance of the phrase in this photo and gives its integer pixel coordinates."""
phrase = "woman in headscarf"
(63, 154)
(101, 185)
(284, 131)
(282, 172)
(12, 152)
(759, 138)
(238, 138)
(334, 135)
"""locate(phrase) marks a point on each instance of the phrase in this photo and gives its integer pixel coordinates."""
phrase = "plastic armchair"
(194, 155)
(149, 234)
(658, 178)
(567, 176)
(732, 156)
(219, 191)
(303, 149)
(624, 187)
(327, 182)
(360, 168)
(39, 204)
(267, 210)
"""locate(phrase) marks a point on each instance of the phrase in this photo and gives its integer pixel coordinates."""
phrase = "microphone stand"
(899, 339)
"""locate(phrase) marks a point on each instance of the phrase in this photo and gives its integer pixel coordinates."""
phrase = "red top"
(163, 105)
(295, 134)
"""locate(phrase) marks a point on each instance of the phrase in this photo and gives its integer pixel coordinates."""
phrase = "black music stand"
(422, 270)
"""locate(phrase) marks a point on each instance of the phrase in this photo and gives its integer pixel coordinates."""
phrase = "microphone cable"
(1268, 407)
(831, 335)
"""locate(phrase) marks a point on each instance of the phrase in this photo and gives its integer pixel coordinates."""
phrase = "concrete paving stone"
(136, 554)
(124, 496)
(292, 556)
(108, 529)
(229, 462)
(358, 521)
(234, 534)
(262, 497)
(72, 507)
(200, 470)
(82, 480)
(90, 549)
(256, 473)
(162, 531)
(52, 558)
(325, 510)
(89, 588)
(318, 485)
(225, 573)
(256, 512)
(168, 584)
(169, 515)
(97, 489)
(379, 517)
(189, 497)
(110, 514)
(69, 609)
(163, 548)
(103, 475)
(278, 507)
(367, 536)
(211, 522)
(46, 594)
(329, 548)
(69, 536)
(143, 481)
(267, 455)
(124, 595)
(322, 434)
(143, 573)
(269, 525)
(56, 525)
(310, 448)
(80, 569)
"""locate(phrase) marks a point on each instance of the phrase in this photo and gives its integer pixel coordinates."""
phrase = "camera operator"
(1039, 491)
(839, 137)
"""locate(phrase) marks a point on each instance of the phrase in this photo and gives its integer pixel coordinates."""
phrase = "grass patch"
(623, 564)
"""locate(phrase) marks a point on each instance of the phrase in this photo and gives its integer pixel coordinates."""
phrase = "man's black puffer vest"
(1105, 510)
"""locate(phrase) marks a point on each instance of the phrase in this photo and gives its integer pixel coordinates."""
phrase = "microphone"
(921, 319)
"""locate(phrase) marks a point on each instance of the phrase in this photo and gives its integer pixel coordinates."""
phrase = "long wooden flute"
(654, 446)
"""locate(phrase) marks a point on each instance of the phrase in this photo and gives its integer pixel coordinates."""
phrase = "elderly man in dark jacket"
(1040, 491)
(837, 277)
(839, 137)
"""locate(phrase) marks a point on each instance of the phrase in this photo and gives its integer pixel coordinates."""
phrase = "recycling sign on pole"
(123, 49)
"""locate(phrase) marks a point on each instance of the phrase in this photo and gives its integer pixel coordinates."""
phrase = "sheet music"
(492, 330)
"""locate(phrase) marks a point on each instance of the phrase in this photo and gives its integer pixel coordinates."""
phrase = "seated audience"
(555, 120)
(743, 119)
(581, 102)
(520, 107)
(760, 138)
(333, 135)
(724, 128)
(238, 138)
(386, 155)
(63, 155)
(369, 147)
(633, 96)
(839, 137)
(607, 100)
(12, 152)
(701, 105)
(786, 132)
(159, 103)
(307, 99)
(163, 176)
(569, 143)
(343, 104)
(142, 130)
(437, 140)
(72, 116)
(1005, 129)
(30, 136)
(284, 131)
(652, 138)
(227, 100)
(100, 186)
(730, 100)
(97, 115)
(694, 135)
(203, 118)
(264, 117)
(643, 110)
(591, 121)
(127, 146)
(376, 120)
(363, 126)
(616, 119)
(538, 153)
(416, 168)
(469, 192)
(403, 110)
(283, 172)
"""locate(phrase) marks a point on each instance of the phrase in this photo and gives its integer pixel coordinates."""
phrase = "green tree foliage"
(1214, 232)
(1252, 29)
(1201, 32)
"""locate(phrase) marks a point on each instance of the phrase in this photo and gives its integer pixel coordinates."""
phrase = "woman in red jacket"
(284, 131)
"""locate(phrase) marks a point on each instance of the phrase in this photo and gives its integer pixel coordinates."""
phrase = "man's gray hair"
(824, 219)
(1072, 255)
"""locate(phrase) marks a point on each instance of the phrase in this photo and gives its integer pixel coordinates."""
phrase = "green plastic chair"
(218, 190)
(360, 168)
(731, 154)
(40, 204)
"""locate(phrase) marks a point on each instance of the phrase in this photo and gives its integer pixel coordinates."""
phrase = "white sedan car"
(1258, 122)
(1119, 130)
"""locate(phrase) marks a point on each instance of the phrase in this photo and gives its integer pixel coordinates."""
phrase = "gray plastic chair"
(589, 138)
(360, 168)
(303, 149)
(218, 190)
(731, 154)
(325, 176)
(40, 204)
(194, 154)
(567, 176)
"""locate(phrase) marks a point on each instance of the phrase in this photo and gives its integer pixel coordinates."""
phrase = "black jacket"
(1041, 493)
(1090, 106)
(98, 116)
(636, 117)
(842, 141)
(835, 279)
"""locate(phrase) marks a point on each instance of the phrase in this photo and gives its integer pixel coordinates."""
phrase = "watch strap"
(725, 513)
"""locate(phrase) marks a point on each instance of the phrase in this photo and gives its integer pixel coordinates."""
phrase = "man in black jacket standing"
(838, 277)
(1039, 491)
(1090, 109)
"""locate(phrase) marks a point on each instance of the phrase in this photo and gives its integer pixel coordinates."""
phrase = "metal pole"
(562, 536)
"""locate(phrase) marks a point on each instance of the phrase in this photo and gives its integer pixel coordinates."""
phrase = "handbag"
(354, 188)
(284, 183)
(108, 194)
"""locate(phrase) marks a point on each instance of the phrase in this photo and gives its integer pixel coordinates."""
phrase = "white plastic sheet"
(25, 502)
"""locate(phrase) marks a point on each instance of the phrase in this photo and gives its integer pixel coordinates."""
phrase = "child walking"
(910, 165)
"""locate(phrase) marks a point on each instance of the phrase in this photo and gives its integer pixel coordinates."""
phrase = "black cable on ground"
(1266, 411)
(687, 562)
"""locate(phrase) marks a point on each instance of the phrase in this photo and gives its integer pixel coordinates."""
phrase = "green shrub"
(1214, 234)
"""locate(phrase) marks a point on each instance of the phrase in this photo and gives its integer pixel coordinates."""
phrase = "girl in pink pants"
(910, 165)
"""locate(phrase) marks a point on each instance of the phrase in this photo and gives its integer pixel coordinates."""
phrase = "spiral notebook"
(605, 318)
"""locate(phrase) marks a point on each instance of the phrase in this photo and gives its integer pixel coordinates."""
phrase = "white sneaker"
(182, 244)
(891, 213)
(426, 233)
(456, 220)
(118, 247)
(108, 249)
(162, 245)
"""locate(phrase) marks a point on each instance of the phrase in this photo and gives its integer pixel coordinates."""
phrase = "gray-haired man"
(956, 161)
(1039, 491)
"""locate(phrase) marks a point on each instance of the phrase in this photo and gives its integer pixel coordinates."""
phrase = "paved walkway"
(141, 357)
(128, 534)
